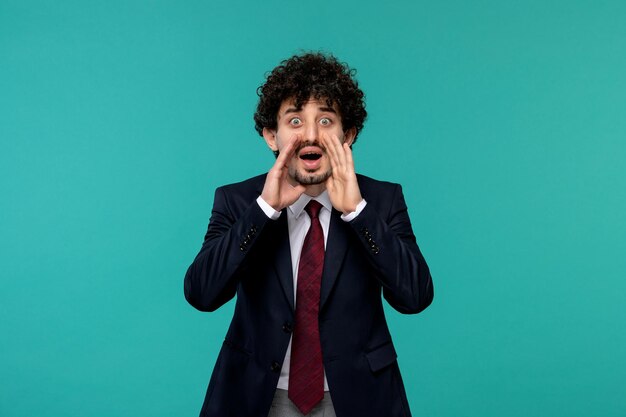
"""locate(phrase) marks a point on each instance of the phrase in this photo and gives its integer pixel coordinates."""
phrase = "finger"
(336, 146)
(330, 150)
(341, 156)
(286, 153)
(324, 142)
(348, 152)
(279, 169)
(296, 140)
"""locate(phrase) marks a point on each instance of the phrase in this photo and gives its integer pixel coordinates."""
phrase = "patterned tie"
(306, 373)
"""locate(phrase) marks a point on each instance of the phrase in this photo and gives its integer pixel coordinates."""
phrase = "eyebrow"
(298, 109)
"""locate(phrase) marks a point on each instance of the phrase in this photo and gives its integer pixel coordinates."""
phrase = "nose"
(311, 133)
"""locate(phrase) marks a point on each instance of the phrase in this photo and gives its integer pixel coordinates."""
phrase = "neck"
(315, 189)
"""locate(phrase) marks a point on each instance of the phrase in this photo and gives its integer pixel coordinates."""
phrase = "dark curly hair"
(309, 75)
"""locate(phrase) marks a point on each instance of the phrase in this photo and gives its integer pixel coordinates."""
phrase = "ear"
(270, 138)
(349, 136)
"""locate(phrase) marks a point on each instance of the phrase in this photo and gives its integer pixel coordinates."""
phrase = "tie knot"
(313, 209)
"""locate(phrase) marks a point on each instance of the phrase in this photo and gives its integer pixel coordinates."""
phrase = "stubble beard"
(307, 178)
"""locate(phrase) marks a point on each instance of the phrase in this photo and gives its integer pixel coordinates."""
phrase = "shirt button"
(275, 366)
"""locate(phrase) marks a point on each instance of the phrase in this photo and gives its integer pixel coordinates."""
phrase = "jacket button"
(287, 327)
(275, 367)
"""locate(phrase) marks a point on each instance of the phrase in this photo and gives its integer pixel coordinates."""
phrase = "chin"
(311, 178)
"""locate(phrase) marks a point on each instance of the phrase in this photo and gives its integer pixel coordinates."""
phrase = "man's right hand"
(277, 191)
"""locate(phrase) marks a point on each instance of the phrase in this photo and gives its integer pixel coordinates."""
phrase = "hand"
(277, 191)
(343, 188)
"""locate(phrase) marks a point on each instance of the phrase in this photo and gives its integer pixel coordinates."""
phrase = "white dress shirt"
(299, 222)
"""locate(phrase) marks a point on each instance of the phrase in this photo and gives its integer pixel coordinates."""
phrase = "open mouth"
(310, 156)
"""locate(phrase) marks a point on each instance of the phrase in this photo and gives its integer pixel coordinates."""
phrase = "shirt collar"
(298, 207)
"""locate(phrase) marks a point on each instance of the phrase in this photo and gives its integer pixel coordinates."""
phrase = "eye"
(325, 121)
(295, 121)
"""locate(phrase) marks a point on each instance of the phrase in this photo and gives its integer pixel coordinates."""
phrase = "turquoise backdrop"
(504, 120)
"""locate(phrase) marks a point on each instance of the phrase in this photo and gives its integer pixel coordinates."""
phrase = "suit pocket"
(381, 357)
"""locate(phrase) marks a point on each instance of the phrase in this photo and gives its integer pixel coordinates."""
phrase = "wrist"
(270, 202)
(268, 209)
(351, 216)
(352, 207)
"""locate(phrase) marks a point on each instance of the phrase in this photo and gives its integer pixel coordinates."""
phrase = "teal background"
(505, 122)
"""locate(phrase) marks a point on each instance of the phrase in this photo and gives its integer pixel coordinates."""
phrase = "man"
(308, 335)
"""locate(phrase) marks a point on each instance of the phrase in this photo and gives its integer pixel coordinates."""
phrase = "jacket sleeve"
(393, 253)
(212, 278)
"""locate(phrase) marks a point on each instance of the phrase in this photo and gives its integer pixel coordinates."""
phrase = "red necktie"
(306, 373)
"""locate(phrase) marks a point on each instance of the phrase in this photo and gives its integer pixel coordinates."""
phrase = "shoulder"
(381, 195)
(240, 195)
(371, 185)
(251, 185)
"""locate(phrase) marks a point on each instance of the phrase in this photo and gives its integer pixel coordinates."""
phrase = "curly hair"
(311, 75)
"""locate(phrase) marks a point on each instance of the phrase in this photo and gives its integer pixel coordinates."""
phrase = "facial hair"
(306, 178)
(311, 179)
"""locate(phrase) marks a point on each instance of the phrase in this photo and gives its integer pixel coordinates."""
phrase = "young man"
(308, 248)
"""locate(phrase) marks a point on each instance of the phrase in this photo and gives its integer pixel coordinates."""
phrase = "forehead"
(312, 104)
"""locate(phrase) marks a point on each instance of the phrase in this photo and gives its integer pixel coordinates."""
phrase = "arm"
(389, 242)
(212, 278)
(394, 255)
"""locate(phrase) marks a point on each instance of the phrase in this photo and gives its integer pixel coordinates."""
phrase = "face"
(310, 164)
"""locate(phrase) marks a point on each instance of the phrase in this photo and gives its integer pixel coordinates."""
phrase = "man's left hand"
(343, 188)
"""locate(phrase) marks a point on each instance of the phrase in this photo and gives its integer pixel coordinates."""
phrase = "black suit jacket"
(248, 254)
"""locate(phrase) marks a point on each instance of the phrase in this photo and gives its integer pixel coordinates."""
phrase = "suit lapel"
(336, 247)
(282, 258)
